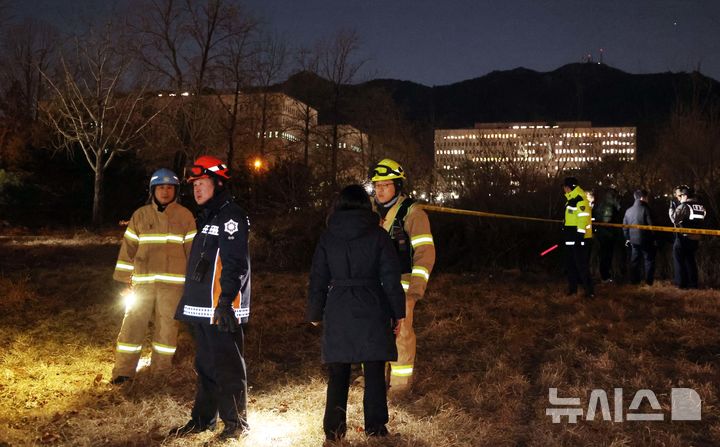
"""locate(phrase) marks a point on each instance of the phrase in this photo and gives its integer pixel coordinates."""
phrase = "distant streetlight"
(258, 164)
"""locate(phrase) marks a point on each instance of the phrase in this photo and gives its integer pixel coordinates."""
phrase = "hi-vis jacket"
(222, 241)
(156, 246)
(417, 227)
(578, 219)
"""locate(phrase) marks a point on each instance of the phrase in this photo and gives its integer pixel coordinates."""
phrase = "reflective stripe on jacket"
(223, 230)
(417, 226)
(578, 219)
(156, 245)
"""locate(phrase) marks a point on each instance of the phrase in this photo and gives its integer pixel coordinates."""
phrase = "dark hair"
(684, 189)
(570, 182)
(640, 193)
(353, 197)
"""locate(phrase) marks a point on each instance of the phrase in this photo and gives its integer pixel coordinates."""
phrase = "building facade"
(547, 146)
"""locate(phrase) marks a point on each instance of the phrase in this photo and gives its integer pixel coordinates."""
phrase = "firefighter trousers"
(222, 377)
(401, 372)
(160, 300)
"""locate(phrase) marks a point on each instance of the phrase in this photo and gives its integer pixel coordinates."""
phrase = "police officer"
(687, 213)
(577, 231)
(409, 228)
(215, 301)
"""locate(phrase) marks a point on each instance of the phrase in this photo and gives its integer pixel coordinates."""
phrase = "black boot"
(234, 430)
(119, 380)
(191, 428)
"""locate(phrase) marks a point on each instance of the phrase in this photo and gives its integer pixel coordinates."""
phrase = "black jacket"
(222, 240)
(638, 214)
(355, 289)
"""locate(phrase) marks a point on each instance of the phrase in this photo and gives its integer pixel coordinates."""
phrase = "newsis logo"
(685, 405)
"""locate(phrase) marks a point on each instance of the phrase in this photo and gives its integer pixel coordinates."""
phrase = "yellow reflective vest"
(417, 227)
(156, 246)
(578, 216)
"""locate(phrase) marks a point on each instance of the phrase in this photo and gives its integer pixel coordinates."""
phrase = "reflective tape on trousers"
(442, 209)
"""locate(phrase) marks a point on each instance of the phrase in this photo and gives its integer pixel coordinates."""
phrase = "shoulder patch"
(231, 227)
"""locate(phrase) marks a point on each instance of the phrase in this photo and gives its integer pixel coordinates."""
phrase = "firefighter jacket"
(355, 289)
(409, 227)
(689, 214)
(156, 246)
(219, 263)
(578, 219)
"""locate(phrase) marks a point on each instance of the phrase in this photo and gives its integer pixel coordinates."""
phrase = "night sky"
(441, 42)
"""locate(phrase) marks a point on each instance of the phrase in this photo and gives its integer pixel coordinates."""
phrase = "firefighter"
(216, 301)
(409, 228)
(152, 259)
(577, 232)
(687, 213)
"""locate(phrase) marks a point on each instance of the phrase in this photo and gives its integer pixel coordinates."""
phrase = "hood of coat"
(352, 224)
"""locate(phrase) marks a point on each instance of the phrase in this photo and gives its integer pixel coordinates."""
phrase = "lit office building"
(546, 146)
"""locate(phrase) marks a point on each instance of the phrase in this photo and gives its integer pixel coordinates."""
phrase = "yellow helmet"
(387, 169)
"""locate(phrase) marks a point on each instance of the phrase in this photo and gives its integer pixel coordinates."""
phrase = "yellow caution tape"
(442, 209)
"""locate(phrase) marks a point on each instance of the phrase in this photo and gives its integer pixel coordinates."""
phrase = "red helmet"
(208, 166)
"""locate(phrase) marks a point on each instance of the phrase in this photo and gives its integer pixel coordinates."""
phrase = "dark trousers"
(605, 253)
(686, 272)
(374, 399)
(578, 269)
(639, 253)
(222, 378)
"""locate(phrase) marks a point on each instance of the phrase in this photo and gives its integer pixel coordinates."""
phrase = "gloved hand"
(224, 316)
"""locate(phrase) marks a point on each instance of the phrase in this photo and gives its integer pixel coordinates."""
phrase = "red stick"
(549, 250)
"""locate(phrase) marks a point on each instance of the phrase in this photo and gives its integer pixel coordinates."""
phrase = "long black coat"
(355, 289)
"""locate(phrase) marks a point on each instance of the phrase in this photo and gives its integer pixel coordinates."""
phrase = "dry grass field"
(490, 347)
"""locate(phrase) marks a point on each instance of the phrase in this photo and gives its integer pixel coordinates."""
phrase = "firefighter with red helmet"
(409, 228)
(152, 259)
(216, 301)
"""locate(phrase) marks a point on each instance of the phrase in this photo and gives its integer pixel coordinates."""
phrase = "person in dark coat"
(216, 302)
(642, 242)
(355, 291)
(607, 211)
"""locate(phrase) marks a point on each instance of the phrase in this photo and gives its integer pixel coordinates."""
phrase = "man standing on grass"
(409, 228)
(688, 213)
(577, 231)
(152, 259)
(215, 301)
(641, 242)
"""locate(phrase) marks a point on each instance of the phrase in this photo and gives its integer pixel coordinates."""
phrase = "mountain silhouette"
(592, 92)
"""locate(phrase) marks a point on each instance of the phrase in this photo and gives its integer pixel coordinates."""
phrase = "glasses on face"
(379, 185)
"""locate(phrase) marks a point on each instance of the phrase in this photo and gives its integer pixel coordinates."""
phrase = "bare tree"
(95, 107)
(338, 64)
(233, 70)
(690, 145)
(307, 62)
(269, 65)
(27, 49)
(183, 41)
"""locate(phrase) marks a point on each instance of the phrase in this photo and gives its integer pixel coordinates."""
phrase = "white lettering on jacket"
(211, 230)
